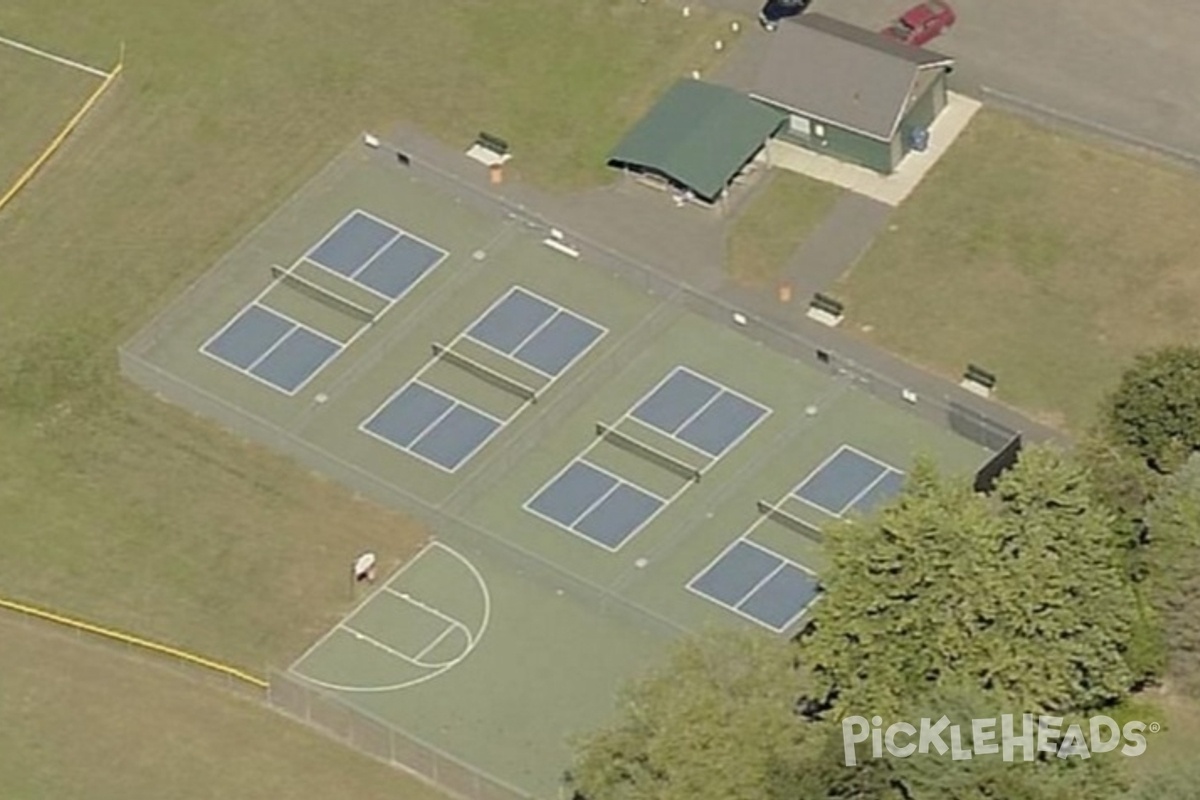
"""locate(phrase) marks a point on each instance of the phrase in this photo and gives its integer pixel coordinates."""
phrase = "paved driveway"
(1133, 68)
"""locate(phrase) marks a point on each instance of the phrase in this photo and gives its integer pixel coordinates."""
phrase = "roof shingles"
(842, 74)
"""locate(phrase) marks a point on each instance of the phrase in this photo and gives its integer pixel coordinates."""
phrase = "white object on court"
(364, 565)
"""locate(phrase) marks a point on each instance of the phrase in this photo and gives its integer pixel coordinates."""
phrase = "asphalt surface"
(1130, 71)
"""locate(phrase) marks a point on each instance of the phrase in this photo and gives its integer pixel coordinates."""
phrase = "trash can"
(918, 139)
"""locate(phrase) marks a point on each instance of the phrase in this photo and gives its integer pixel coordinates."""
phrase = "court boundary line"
(464, 334)
(473, 642)
(784, 561)
(722, 388)
(333, 231)
(49, 56)
(561, 309)
(854, 500)
(398, 233)
(628, 415)
(363, 326)
(417, 379)
(581, 458)
(795, 491)
(454, 403)
(255, 303)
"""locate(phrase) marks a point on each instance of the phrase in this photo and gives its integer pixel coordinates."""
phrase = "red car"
(921, 24)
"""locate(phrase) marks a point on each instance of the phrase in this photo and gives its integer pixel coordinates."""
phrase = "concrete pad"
(890, 189)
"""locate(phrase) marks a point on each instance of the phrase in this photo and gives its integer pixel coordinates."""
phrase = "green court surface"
(511, 633)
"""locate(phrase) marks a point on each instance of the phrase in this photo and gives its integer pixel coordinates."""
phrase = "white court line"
(825, 463)
(416, 379)
(363, 603)
(581, 457)
(872, 485)
(555, 309)
(706, 404)
(348, 281)
(646, 395)
(437, 669)
(783, 562)
(618, 483)
(745, 398)
(371, 640)
(869, 457)
(724, 387)
(398, 234)
(560, 310)
(497, 351)
(66, 62)
(337, 226)
(389, 301)
(428, 609)
(247, 370)
(438, 640)
(454, 403)
(721, 388)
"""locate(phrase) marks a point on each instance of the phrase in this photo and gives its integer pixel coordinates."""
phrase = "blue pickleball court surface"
(431, 425)
(376, 254)
(272, 348)
(755, 582)
(699, 412)
(536, 332)
(595, 504)
(850, 480)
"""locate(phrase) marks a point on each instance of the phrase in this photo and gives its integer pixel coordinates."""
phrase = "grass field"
(120, 509)
(84, 721)
(37, 97)
(777, 220)
(1023, 241)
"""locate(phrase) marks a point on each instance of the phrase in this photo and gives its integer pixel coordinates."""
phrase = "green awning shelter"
(698, 135)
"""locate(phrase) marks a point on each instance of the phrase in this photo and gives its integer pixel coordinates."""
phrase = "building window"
(799, 125)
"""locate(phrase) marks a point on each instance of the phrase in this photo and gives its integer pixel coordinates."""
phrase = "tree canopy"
(1156, 408)
(1024, 593)
(716, 722)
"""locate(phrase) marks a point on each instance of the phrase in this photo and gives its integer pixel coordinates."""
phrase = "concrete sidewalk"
(836, 244)
(889, 189)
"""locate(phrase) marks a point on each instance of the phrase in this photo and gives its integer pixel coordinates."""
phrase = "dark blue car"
(776, 10)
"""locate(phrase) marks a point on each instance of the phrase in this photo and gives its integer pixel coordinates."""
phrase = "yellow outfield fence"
(61, 137)
(206, 664)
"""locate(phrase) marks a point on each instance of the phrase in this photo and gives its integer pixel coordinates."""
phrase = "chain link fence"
(363, 732)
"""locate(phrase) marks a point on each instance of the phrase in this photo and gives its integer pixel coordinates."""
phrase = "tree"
(990, 777)
(894, 620)
(1064, 610)
(716, 722)
(1022, 594)
(1156, 408)
(1172, 584)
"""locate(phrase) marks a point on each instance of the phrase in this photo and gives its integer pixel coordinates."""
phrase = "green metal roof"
(700, 135)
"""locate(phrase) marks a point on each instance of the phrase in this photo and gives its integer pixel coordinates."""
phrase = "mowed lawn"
(1045, 258)
(81, 720)
(126, 511)
(775, 222)
(37, 98)
(123, 510)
